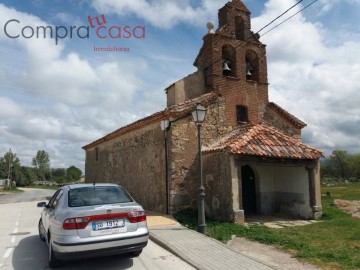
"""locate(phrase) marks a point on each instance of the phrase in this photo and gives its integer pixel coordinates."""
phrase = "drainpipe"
(165, 126)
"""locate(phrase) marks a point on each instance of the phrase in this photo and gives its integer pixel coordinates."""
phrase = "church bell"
(226, 69)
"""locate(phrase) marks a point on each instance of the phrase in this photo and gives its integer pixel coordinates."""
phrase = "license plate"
(107, 224)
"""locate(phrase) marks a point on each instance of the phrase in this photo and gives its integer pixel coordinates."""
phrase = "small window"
(96, 154)
(242, 114)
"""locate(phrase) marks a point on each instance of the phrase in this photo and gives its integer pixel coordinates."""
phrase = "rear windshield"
(97, 195)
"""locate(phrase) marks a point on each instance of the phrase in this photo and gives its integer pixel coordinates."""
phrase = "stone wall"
(218, 186)
(277, 121)
(187, 88)
(183, 153)
(135, 161)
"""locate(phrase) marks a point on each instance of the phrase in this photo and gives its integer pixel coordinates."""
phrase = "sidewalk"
(198, 250)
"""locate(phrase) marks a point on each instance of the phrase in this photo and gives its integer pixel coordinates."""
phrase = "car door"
(48, 212)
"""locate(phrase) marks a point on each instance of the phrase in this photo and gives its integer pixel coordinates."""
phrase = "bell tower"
(233, 61)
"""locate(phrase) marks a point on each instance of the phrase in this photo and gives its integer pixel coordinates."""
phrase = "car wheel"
(41, 230)
(53, 261)
(135, 253)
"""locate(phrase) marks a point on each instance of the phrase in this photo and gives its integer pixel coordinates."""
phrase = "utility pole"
(10, 157)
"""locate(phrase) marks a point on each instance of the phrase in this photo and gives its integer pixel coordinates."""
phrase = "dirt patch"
(350, 207)
(274, 257)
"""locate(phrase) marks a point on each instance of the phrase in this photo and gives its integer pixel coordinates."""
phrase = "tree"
(29, 175)
(340, 161)
(355, 166)
(73, 173)
(10, 167)
(41, 163)
(59, 174)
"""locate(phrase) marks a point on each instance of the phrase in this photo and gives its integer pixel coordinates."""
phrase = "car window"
(98, 195)
(54, 197)
(57, 198)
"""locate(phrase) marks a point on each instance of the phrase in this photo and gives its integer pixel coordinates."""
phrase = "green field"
(333, 243)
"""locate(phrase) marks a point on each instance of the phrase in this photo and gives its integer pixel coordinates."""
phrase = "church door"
(248, 190)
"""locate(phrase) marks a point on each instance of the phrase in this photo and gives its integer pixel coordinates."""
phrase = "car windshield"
(97, 195)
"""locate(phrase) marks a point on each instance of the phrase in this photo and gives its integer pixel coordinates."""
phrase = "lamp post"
(198, 114)
(165, 124)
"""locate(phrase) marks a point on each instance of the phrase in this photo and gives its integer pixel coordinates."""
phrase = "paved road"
(22, 249)
(29, 195)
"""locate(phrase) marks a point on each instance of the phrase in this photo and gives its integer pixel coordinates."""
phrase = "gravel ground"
(264, 253)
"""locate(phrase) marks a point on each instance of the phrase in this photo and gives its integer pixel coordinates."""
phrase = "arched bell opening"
(228, 61)
(252, 66)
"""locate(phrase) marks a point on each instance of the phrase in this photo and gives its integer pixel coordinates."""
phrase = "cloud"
(161, 13)
(328, 5)
(68, 19)
(59, 100)
(312, 80)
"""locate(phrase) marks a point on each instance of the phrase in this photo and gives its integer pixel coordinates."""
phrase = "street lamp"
(198, 115)
(165, 124)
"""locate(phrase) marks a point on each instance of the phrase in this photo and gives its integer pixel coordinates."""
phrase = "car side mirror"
(42, 204)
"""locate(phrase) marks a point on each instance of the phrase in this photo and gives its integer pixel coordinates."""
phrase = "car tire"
(135, 253)
(41, 231)
(53, 261)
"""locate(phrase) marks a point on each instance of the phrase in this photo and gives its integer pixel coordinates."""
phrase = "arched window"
(239, 28)
(252, 66)
(228, 61)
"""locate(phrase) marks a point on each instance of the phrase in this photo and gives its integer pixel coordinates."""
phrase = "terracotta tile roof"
(265, 141)
(297, 122)
(175, 111)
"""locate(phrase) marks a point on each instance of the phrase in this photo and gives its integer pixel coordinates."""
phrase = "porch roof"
(262, 140)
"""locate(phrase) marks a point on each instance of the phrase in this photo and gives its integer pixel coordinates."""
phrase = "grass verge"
(333, 243)
(12, 190)
(46, 187)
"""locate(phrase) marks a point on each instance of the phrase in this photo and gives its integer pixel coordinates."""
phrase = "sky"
(59, 94)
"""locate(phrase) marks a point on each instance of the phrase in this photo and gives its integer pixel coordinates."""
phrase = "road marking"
(13, 238)
(8, 252)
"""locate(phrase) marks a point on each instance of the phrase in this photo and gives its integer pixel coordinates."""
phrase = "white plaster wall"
(283, 189)
(265, 196)
(292, 191)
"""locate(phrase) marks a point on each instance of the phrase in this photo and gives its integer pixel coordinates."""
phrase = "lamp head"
(164, 124)
(198, 114)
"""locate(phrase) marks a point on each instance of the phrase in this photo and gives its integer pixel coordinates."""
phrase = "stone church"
(253, 159)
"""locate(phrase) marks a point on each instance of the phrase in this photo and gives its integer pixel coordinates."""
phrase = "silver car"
(88, 220)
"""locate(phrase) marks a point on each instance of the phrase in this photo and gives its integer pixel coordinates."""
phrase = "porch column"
(239, 217)
(314, 190)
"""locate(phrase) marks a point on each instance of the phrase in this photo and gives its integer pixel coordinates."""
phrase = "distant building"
(253, 158)
(5, 182)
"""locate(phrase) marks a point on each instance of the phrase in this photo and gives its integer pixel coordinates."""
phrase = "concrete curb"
(174, 250)
(199, 264)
